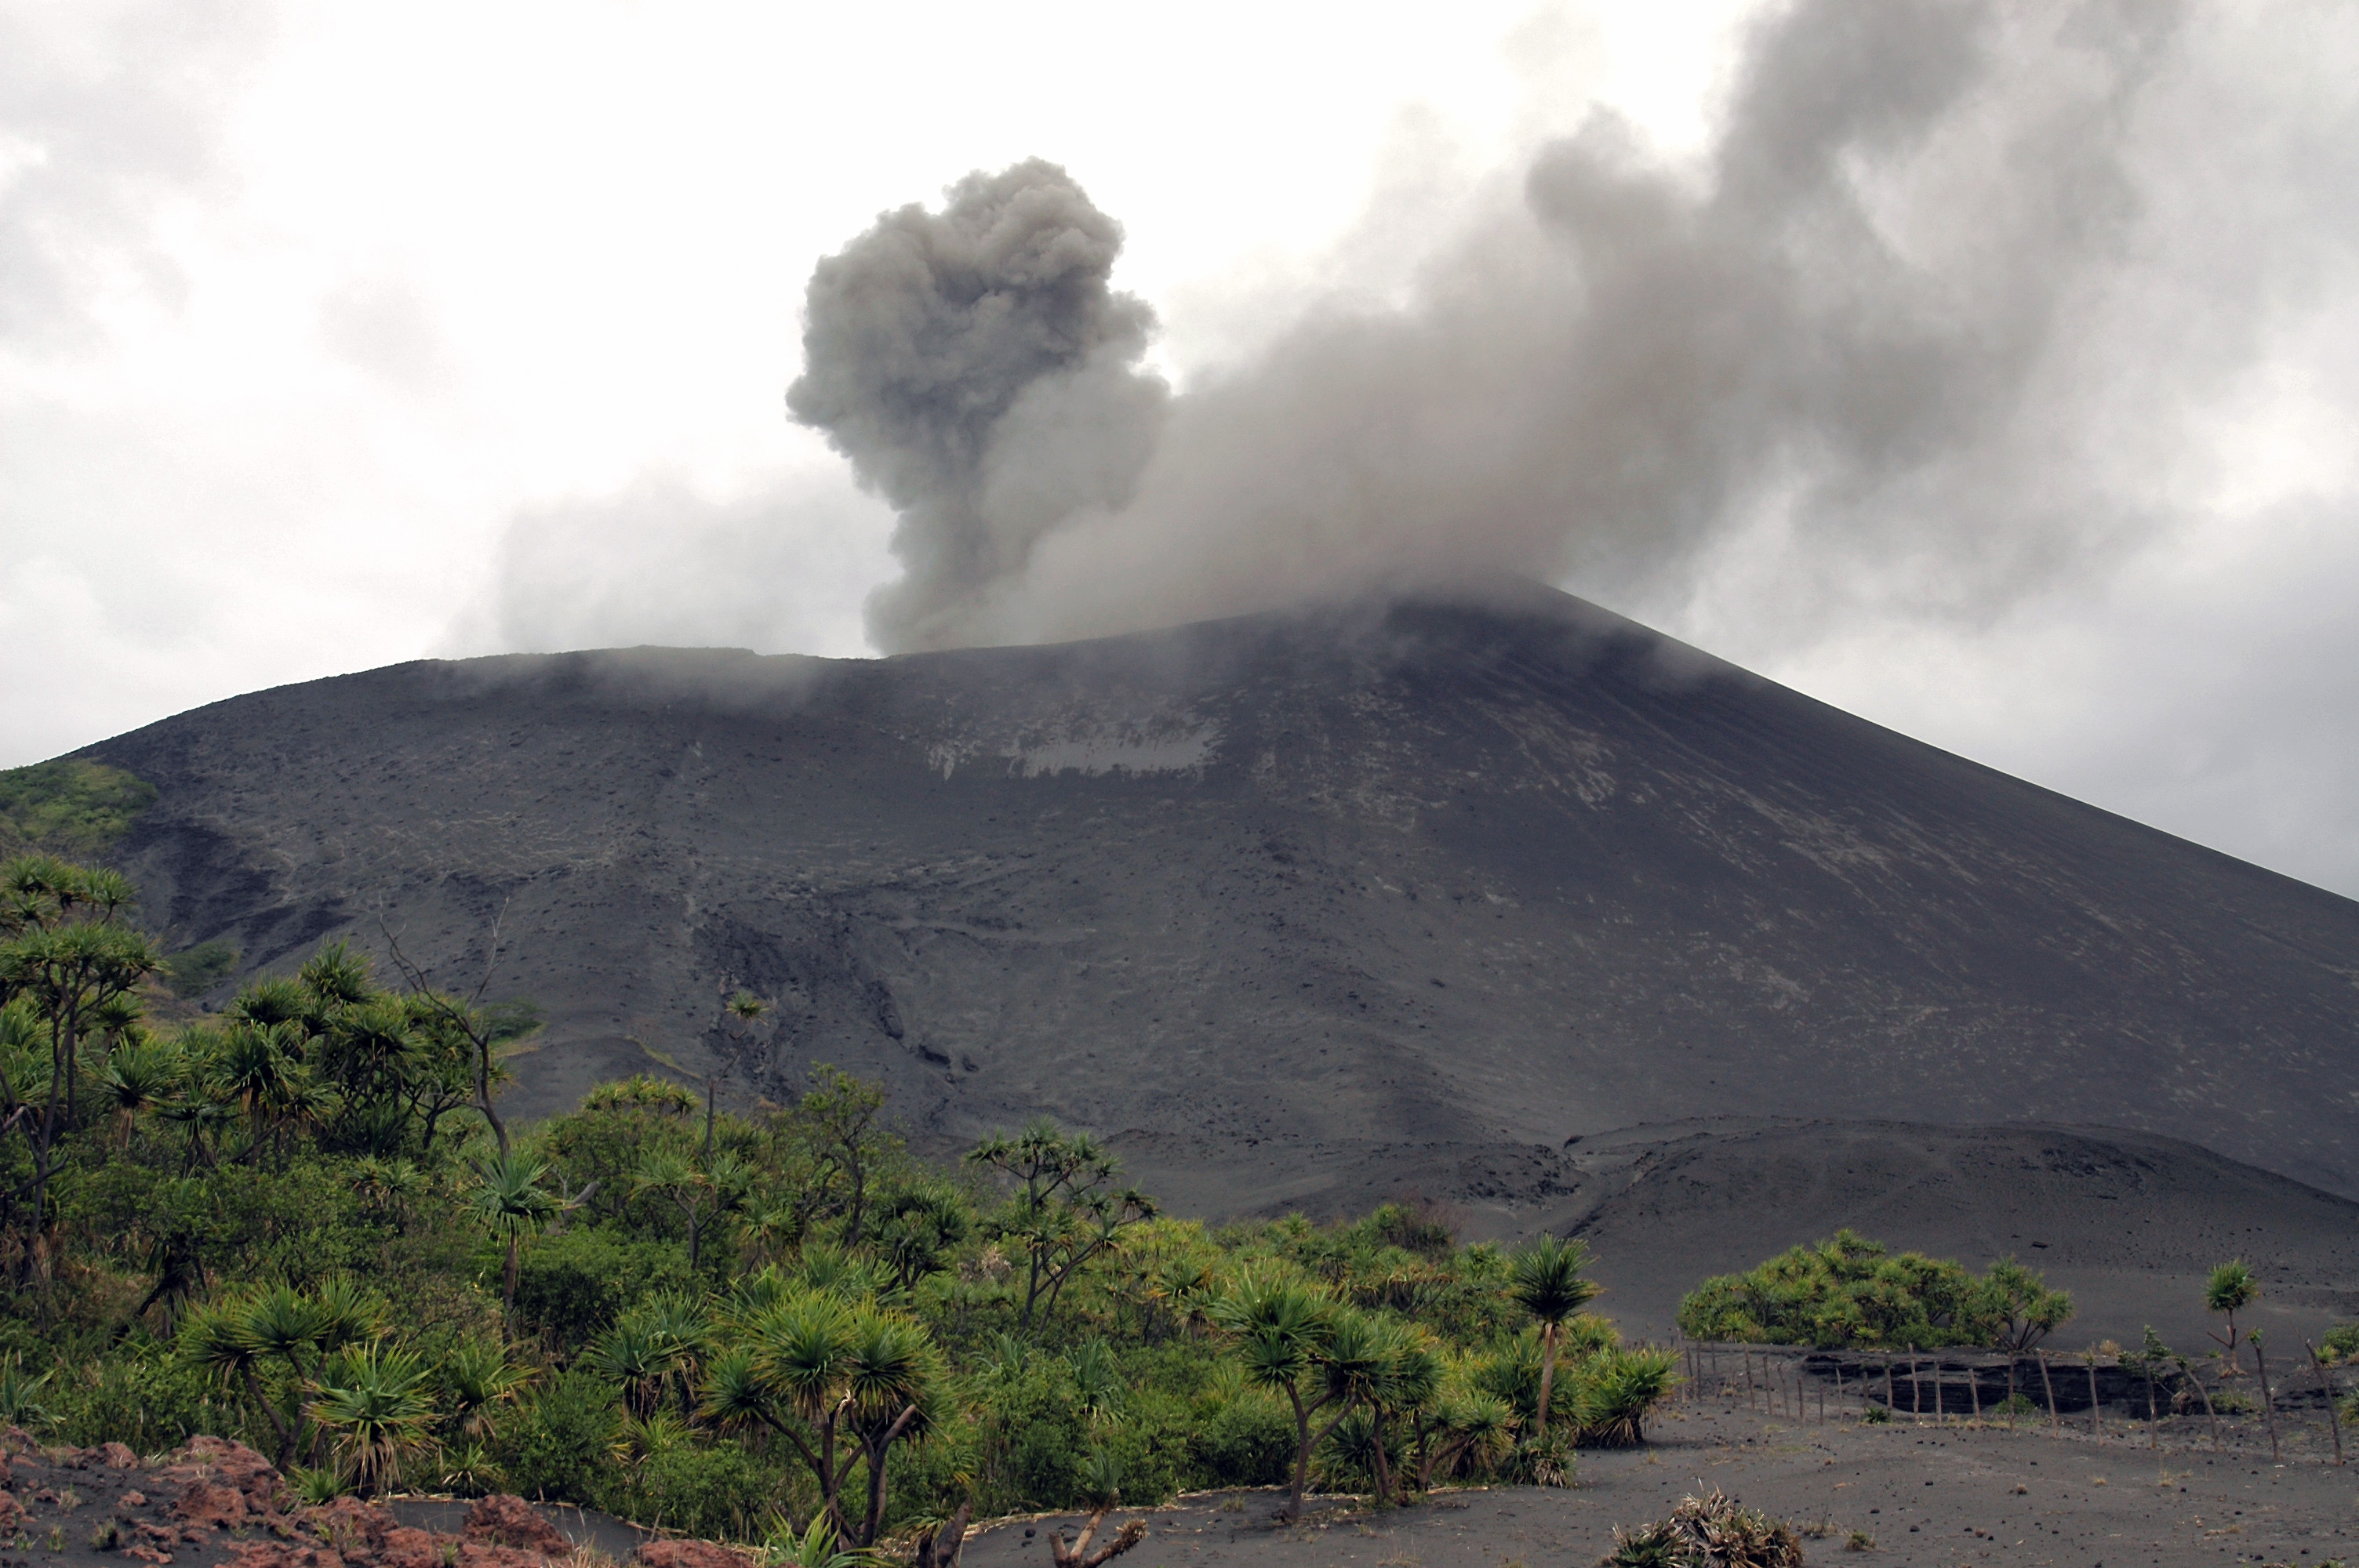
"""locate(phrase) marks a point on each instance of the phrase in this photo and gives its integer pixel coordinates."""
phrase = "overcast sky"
(333, 336)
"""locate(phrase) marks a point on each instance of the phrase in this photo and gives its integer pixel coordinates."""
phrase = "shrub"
(70, 806)
(716, 1492)
(146, 1402)
(572, 1286)
(557, 1447)
(1246, 1442)
(1850, 1291)
(192, 971)
(1613, 1390)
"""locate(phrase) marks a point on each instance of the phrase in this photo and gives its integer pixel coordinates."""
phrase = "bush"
(572, 1287)
(718, 1492)
(146, 1402)
(1248, 1442)
(192, 971)
(1850, 1291)
(69, 806)
(557, 1447)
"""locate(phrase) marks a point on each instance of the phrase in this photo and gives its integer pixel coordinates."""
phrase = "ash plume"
(1924, 324)
(980, 373)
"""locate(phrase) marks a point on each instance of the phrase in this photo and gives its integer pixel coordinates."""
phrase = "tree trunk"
(2209, 1414)
(880, 1451)
(1301, 1453)
(940, 1548)
(1547, 1380)
(269, 1413)
(2055, 1421)
(1078, 1556)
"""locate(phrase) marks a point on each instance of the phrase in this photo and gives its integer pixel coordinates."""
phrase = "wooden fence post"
(2326, 1387)
(2268, 1404)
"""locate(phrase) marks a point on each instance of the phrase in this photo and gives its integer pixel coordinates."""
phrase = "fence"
(1801, 1384)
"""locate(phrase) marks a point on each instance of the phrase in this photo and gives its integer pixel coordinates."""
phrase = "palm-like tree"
(1463, 1428)
(635, 1359)
(818, 1371)
(477, 1379)
(2232, 1288)
(1545, 1280)
(1293, 1341)
(222, 1340)
(700, 1192)
(509, 1199)
(376, 1402)
(138, 1078)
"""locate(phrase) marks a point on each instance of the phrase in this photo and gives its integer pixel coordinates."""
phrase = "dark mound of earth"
(1363, 902)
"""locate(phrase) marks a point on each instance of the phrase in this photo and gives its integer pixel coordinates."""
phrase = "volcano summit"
(1310, 909)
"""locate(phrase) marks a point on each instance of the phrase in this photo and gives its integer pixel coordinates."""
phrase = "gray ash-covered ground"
(1510, 908)
(1923, 1492)
(1926, 1495)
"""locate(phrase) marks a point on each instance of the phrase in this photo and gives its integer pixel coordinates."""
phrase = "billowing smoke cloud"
(981, 374)
(1913, 322)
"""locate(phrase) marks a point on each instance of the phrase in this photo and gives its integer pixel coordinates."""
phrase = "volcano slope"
(1308, 910)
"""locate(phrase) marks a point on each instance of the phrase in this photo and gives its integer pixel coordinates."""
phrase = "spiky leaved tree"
(510, 1200)
(1322, 1355)
(68, 964)
(1545, 1280)
(2019, 1310)
(1063, 1210)
(378, 1409)
(843, 1381)
(2232, 1288)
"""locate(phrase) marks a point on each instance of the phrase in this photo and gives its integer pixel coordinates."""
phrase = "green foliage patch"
(301, 1223)
(69, 806)
(1850, 1291)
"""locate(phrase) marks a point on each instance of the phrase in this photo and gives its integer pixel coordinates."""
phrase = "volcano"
(1306, 909)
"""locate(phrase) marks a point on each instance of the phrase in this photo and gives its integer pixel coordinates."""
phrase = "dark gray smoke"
(980, 373)
(1902, 324)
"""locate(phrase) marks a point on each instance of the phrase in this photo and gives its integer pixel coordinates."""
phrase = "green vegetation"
(1850, 1291)
(2232, 1288)
(193, 972)
(300, 1223)
(69, 806)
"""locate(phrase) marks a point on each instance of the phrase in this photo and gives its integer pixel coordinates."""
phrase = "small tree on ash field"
(2231, 1288)
(1545, 1280)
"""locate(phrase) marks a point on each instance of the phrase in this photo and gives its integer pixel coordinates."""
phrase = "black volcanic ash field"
(1309, 911)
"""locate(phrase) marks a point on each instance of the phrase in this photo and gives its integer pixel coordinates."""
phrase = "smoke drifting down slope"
(1872, 330)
